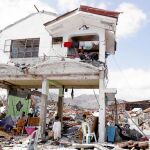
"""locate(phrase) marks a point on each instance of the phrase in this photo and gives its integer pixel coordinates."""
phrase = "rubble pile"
(132, 129)
(72, 119)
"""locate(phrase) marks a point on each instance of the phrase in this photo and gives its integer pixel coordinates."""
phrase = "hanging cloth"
(17, 105)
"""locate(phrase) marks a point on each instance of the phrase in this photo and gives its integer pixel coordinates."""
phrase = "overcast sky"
(129, 69)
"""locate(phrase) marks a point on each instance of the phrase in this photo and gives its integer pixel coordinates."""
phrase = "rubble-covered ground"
(137, 119)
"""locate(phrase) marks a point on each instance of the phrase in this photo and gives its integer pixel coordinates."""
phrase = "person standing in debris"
(84, 117)
(85, 130)
(22, 116)
(20, 124)
(82, 54)
(57, 128)
(85, 123)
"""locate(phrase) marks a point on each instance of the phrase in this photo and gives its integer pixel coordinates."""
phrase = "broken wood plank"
(98, 146)
(5, 135)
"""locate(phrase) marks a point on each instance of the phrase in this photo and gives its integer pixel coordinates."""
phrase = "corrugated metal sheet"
(99, 11)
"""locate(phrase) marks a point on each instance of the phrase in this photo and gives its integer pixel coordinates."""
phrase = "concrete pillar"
(60, 103)
(102, 46)
(102, 49)
(102, 107)
(43, 110)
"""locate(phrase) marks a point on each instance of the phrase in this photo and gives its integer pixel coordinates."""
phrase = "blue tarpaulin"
(111, 130)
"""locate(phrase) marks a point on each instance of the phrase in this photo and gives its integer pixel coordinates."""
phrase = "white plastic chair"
(33, 140)
(30, 142)
(87, 135)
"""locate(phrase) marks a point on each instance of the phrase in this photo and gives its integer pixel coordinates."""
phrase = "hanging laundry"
(17, 105)
(88, 45)
(95, 42)
(72, 93)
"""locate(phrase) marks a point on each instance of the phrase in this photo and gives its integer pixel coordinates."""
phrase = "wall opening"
(84, 47)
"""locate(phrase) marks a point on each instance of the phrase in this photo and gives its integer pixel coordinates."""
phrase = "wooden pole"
(43, 110)
(89, 146)
(116, 112)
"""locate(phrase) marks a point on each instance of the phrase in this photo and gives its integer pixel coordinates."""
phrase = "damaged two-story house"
(67, 51)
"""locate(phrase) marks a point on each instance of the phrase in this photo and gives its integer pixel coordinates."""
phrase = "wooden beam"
(55, 83)
(51, 87)
(89, 146)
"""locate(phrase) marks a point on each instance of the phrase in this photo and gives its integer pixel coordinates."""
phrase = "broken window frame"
(57, 40)
(24, 50)
(85, 38)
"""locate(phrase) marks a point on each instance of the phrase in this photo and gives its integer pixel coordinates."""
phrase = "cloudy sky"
(129, 69)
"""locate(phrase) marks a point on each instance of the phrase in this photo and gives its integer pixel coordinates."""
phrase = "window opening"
(25, 48)
(7, 46)
(57, 40)
(83, 47)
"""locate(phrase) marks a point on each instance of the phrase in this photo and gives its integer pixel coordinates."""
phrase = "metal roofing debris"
(97, 11)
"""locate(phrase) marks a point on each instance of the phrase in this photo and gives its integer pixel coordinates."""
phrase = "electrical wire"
(135, 123)
(96, 98)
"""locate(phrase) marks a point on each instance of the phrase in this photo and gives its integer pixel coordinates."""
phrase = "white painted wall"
(62, 51)
(31, 27)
